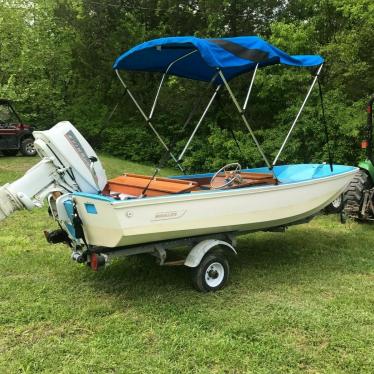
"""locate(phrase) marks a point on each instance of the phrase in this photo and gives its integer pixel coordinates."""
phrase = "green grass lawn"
(302, 301)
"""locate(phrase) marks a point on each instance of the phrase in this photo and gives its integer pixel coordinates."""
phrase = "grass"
(297, 302)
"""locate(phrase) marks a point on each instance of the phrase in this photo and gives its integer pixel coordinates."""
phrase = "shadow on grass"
(264, 260)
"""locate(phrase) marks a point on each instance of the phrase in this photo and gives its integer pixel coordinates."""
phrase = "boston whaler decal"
(168, 215)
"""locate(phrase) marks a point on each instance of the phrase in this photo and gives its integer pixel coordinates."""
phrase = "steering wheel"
(232, 174)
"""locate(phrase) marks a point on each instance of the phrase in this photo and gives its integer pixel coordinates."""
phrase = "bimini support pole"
(163, 79)
(241, 112)
(250, 88)
(147, 119)
(298, 115)
(199, 122)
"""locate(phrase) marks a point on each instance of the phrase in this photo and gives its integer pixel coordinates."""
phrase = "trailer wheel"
(335, 206)
(211, 274)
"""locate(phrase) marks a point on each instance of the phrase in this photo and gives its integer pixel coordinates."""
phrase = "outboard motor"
(68, 164)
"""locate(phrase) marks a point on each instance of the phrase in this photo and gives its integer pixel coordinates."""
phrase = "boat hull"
(137, 221)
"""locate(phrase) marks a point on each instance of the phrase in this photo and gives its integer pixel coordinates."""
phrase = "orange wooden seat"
(134, 184)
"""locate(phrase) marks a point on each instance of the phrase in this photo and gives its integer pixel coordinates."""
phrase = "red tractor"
(15, 136)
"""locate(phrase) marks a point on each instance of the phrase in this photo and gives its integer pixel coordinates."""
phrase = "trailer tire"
(212, 273)
(335, 206)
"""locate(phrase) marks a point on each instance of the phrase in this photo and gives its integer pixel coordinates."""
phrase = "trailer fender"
(199, 250)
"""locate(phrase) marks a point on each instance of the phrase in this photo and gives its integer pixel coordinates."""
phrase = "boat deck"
(132, 185)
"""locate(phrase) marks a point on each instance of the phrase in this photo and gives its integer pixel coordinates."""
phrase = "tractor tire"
(27, 147)
(10, 152)
(354, 194)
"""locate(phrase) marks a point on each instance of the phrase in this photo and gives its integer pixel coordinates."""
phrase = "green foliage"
(56, 59)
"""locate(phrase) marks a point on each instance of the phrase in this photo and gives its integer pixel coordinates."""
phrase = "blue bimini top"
(234, 56)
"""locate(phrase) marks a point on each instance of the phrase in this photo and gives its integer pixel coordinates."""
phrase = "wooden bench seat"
(134, 184)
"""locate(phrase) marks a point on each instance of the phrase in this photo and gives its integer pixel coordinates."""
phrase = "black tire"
(335, 206)
(10, 152)
(343, 217)
(353, 195)
(217, 265)
(27, 147)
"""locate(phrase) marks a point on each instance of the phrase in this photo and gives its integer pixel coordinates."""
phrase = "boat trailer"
(206, 255)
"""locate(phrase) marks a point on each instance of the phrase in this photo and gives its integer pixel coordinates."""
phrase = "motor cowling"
(73, 154)
(68, 164)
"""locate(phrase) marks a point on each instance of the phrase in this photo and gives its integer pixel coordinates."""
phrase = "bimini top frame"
(216, 61)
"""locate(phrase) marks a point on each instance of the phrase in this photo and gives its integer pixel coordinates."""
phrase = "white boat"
(302, 191)
(134, 214)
